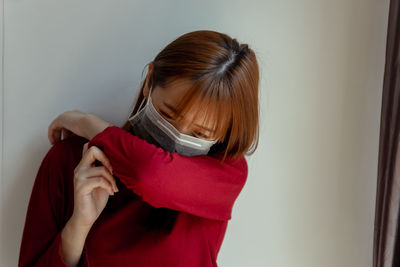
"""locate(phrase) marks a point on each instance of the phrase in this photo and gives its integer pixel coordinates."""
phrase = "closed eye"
(167, 115)
(201, 134)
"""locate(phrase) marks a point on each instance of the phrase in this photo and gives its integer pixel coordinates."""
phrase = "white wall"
(310, 196)
(1, 129)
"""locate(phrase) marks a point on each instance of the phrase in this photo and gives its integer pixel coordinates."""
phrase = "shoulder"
(54, 179)
(65, 153)
(56, 171)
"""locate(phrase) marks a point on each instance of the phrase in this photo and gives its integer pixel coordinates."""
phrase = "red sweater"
(200, 189)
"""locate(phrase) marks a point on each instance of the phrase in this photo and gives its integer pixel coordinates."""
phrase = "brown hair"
(225, 78)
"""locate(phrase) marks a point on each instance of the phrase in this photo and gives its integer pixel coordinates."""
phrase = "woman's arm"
(91, 125)
(73, 238)
(199, 185)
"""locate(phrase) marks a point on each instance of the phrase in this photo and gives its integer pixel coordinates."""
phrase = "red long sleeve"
(199, 185)
(47, 213)
(120, 236)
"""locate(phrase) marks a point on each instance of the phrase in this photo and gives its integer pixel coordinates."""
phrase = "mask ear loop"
(144, 98)
(141, 104)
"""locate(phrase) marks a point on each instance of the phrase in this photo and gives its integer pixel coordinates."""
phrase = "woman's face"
(165, 99)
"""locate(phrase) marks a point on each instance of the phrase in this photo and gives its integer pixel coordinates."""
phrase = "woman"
(177, 164)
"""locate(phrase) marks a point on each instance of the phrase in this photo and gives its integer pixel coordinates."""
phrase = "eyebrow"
(174, 110)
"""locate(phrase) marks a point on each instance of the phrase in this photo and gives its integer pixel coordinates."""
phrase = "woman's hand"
(67, 124)
(92, 186)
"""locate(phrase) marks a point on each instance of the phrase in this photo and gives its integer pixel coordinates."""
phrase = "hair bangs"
(204, 100)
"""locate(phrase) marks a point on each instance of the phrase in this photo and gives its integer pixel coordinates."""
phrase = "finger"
(50, 131)
(68, 133)
(94, 153)
(56, 135)
(87, 186)
(49, 136)
(55, 129)
(101, 171)
(85, 146)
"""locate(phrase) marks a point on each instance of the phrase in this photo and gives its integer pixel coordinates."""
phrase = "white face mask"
(151, 126)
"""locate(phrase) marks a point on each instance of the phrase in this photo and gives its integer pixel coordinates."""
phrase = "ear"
(146, 88)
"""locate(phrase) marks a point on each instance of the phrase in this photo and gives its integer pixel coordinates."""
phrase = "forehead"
(174, 90)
